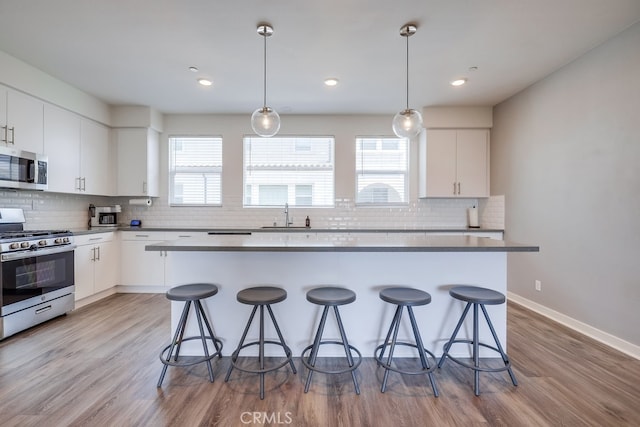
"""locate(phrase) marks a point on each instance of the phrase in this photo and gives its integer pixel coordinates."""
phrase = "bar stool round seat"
(191, 293)
(404, 297)
(331, 297)
(260, 297)
(475, 297)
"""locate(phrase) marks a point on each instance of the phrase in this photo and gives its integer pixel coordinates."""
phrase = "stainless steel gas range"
(36, 273)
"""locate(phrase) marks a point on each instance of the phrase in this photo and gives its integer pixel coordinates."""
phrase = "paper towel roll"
(140, 202)
(473, 217)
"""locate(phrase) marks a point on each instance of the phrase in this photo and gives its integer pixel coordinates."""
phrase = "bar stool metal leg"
(421, 352)
(316, 345)
(347, 350)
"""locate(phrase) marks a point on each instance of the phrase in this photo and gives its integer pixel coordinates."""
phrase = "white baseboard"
(598, 335)
(122, 289)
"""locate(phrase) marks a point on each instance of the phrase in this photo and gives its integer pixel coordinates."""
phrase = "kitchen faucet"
(287, 223)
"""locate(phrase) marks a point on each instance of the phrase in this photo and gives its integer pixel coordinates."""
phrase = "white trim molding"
(598, 335)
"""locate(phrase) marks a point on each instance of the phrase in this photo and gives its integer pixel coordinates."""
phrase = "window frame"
(297, 148)
(382, 146)
(216, 170)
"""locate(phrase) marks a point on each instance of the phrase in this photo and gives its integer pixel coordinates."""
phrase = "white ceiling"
(138, 52)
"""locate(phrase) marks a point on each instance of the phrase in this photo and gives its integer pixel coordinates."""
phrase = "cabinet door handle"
(5, 133)
(13, 135)
(144, 187)
(93, 254)
(458, 188)
(84, 183)
(454, 188)
(98, 248)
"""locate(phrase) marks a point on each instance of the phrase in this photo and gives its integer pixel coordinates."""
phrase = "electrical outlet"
(538, 285)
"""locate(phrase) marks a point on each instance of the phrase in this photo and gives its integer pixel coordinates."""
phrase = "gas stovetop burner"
(25, 234)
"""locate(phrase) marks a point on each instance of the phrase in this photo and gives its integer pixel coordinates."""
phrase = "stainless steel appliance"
(36, 273)
(104, 216)
(22, 169)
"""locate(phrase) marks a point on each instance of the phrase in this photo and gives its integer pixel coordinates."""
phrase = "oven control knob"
(24, 245)
(15, 245)
(57, 241)
(42, 243)
(65, 240)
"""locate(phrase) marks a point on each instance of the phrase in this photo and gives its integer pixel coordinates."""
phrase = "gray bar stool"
(477, 297)
(261, 297)
(405, 297)
(191, 293)
(330, 296)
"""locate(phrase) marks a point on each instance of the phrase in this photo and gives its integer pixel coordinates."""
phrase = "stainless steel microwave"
(22, 169)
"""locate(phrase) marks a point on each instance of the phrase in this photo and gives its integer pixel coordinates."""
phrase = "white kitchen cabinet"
(454, 163)
(79, 152)
(96, 160)
(138, 162)
(144, 268)
(96, 264)
(62, 147)
(138, 266)
(21, 120)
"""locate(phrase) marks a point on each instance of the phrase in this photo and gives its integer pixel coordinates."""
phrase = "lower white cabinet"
(144, 268)
(140, 267)
(96, 264)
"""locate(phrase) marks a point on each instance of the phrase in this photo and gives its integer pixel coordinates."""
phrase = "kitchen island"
(365, 263)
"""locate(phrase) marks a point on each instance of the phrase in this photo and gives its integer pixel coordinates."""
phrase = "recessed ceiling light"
(205, 82)
(193, 69)
(331, 81)
(458, 82)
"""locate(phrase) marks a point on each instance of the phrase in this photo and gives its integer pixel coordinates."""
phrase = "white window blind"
(297, 170)
(195, 171)
(382, 170)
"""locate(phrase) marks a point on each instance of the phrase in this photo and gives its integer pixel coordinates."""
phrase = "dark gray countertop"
(311, 230)
(339, 242)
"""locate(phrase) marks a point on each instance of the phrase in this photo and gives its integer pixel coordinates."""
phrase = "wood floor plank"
(99, 366)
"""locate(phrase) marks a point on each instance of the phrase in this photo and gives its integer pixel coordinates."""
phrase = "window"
(195, 171)
(294, 170)
(382, 170)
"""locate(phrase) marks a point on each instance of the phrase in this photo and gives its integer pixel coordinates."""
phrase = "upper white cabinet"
(454, 163)
(96, 160)
(21, 120)
(138, 162)
(62, 146)
(79, 152)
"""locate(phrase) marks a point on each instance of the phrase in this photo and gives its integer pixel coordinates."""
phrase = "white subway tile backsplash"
(53, 210)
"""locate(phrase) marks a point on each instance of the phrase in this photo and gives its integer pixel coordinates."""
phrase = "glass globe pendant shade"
(265, 122)
(407, 123)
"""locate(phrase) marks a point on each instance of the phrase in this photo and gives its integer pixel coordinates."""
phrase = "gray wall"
(566, 154)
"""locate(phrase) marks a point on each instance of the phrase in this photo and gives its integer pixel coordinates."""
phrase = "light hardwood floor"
(98, 366)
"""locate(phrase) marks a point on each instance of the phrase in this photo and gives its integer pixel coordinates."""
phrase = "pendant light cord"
(407, 37)
(264, 98)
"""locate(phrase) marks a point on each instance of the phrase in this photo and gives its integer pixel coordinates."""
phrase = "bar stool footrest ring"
(356, 363)
(507, 363)
(234, 358)
(402, 371)
(190, 361)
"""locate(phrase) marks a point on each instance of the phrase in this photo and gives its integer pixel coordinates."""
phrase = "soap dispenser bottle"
(307, 222)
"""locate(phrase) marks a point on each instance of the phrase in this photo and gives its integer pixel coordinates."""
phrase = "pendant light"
(408, 122)
(265, 121)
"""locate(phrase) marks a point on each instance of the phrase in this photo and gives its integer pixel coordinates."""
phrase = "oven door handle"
(11, 256)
